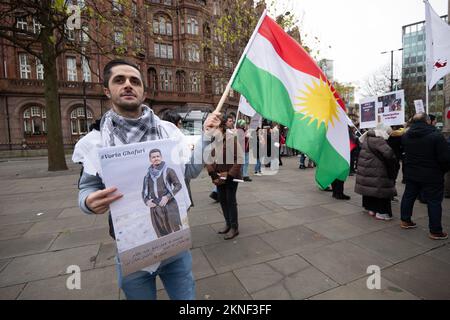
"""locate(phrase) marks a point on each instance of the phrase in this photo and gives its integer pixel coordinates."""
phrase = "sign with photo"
(388, 109)
(367, 113)
(392, 106)
(150, 220)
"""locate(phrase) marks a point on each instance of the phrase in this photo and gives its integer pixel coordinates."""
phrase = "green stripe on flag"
(268, 96)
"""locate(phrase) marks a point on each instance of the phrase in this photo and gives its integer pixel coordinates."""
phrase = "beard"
(128, 106)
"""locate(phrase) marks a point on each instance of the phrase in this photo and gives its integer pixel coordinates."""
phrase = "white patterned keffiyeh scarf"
(117, 130)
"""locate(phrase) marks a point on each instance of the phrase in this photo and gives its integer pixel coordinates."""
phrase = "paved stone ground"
(296, 242)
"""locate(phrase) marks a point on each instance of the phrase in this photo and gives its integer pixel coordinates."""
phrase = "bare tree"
(45, 29)
(380, 81)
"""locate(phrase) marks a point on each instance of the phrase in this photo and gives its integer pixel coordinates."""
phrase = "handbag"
(392, 166)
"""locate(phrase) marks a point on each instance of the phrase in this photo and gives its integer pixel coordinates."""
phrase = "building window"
(39, 70)
(195, 81)
(84, 34)
(36, 26)
(34, 121)
(70, 33)
(134, 9)
(162, 25)
(168, 2)
(216, 8)
(86, 69)
(165, 79)
(78, 121)
(164, 51)
(117, 6)
(25, 68)
(193, 53)
(21, 23)
(181, 81)
(71, 69)
(152, 79)
(192, 26)
(118, 38)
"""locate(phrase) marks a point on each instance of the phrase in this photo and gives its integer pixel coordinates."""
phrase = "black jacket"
(427, 156)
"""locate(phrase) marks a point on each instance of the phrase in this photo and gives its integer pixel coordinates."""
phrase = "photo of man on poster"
(160, 186)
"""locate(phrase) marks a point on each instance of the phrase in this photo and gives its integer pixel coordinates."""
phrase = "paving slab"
(293, 240)
(302, 201)
(357, 290)
(46, 265)
(258, 277)
(11, 293)
(389, 246)
(276, 292)
(282, 220)
(442, 253)
(205, 235)
(71, 212)
(246, 210)
(336, 229)
(221, 287)
(4, 263)
(343, 261)
(62, 225)
(423, 276)
(13, 231)
(106, 255)
(248, 227)
(307, 283)
(363, 221)
(26, 245)
(238, 253)
(289, 265)
(96, 284)
(30, 216)
(72, 239)
(343, 208)
(312, 214)
(418, 236)
(200, 265)
(204, 218)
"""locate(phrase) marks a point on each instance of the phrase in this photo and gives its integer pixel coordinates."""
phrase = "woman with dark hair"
(223, 174)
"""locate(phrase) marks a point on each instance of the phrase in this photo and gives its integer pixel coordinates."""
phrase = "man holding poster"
(130, 121)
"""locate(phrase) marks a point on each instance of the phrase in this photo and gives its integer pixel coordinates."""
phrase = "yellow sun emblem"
(318, 103)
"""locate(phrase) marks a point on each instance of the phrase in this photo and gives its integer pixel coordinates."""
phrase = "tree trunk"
(55, 145)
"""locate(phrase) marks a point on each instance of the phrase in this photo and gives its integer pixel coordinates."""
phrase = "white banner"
(420, 108)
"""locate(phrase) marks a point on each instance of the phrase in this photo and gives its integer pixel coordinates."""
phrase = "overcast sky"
(359, 30)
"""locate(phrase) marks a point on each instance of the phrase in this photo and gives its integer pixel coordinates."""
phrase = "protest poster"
(392, 107)
(150, 220)
(419, 106)
(367, 113)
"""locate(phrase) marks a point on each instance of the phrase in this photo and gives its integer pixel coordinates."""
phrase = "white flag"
(245, 107)
(438, 46)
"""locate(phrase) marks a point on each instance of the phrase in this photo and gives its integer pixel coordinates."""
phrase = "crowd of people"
(376, 155)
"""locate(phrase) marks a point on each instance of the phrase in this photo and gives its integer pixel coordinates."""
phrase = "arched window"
(193, 53)
(165, 79)
(162, 25)
(34, 121)
(152, 79)
(192, 26)
(78, 121)
(181, 81)
(195, 81)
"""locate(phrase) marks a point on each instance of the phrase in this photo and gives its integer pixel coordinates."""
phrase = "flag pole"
(227, 89)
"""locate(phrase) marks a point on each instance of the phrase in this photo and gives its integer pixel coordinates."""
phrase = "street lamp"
(392, 66)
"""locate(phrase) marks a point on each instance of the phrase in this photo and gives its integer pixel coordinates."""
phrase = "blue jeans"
(433, 194)
(175, 273)
(258, 166)
(244, 170)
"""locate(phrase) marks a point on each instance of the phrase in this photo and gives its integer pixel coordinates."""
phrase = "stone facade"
(181, 73)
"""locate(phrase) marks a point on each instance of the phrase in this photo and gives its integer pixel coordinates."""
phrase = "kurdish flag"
(284, 84)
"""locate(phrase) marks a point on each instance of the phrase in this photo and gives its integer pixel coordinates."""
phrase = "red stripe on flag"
(292, 53)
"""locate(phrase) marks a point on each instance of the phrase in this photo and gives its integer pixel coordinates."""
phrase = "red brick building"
(181, 73)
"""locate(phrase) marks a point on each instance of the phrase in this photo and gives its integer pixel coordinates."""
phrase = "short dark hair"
(420, 117)
(114, 63)
(432, 117)
(171, 116)
(154, 151)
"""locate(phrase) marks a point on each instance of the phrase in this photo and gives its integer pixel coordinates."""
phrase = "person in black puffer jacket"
(427, 159)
